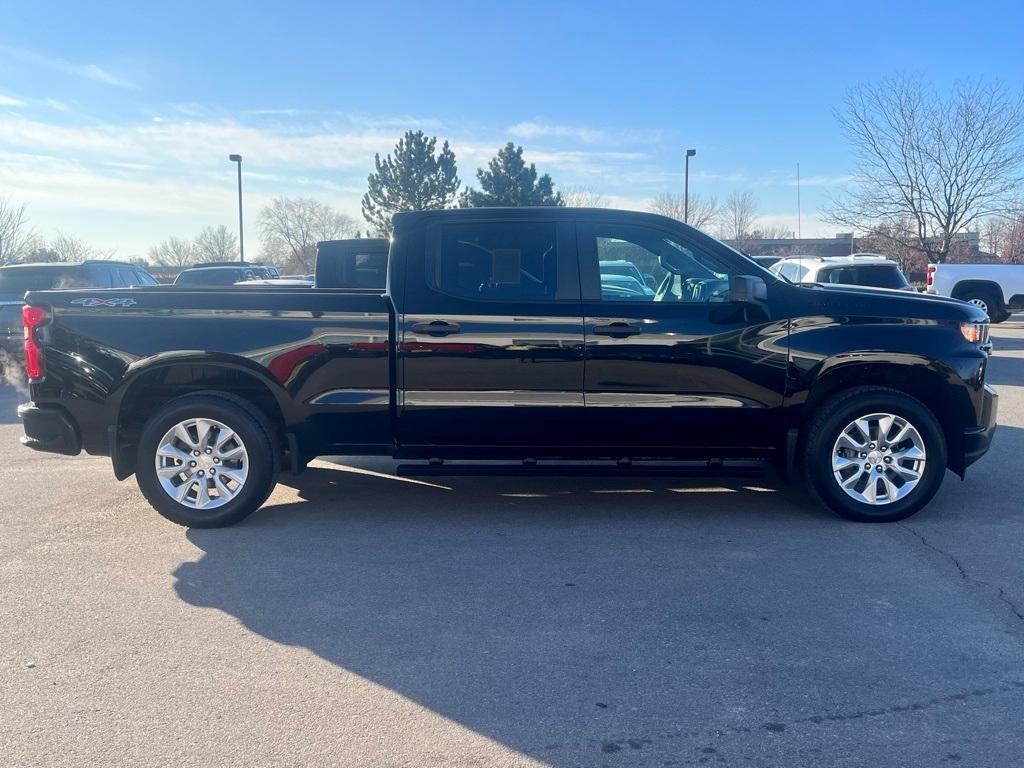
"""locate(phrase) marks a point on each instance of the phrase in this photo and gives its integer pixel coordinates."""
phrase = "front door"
(491, 339)
(679, 367)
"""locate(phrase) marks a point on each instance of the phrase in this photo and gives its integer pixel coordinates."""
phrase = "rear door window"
(127, 277)
(497, 260)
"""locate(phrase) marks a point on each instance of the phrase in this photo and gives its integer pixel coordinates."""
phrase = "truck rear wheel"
(874, 454)
(206, 461)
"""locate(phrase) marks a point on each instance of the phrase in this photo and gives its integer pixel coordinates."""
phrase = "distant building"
(843, 244)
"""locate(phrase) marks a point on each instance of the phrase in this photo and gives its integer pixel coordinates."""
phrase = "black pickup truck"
(498, 337)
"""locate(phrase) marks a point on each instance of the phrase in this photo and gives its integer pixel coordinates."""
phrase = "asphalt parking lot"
(361, 619)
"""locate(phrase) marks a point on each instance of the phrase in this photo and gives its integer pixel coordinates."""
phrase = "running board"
(704, 469)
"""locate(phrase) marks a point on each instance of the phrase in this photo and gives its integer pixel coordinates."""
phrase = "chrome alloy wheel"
(201, 463)
(878, 458)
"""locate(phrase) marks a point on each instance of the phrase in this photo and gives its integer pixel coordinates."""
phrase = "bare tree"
(17, 238)
(216, 244)
(941, 162)
(174, 252)
(703, 211)
(291, 228)
(993, 230)
(738, 217)
(67, 247)
(891, 239)
(1012, 250)
(771, 232)
(584, 197)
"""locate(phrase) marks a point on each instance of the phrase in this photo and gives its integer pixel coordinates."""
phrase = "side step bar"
(593, 469)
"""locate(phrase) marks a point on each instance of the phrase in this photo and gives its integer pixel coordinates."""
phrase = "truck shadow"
(569, 619)
(533, 611)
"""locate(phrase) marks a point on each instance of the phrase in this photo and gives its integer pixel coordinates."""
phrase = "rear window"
(873, 276)
(15, 281)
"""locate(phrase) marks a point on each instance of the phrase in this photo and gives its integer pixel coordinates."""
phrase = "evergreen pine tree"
(508, 180)
(413, 178)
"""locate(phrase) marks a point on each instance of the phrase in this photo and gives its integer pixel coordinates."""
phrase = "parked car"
(262, 271)
(624, 286)
(868, 269)
(495, 341)
(17, 279)
(218, 275)
(629, 269)
(300, 281)
(997, 289)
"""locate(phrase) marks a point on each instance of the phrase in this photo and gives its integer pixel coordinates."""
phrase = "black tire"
(987, 300)
(833, 416)
(247, 422)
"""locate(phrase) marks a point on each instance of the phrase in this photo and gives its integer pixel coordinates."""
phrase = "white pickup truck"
(996, 288)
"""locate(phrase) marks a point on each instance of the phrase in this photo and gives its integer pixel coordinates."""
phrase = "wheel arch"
(151, 384)
(964, 287)
(923, 380)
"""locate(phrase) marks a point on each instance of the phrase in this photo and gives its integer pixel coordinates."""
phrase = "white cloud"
(43, 178)
(534, 129)
(88, 71)
(10, 101)
(60, 106)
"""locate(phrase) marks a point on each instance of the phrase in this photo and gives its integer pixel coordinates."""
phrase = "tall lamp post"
(686, 186)
(241, 237)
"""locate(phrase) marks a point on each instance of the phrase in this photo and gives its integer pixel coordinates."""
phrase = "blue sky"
(116, 119)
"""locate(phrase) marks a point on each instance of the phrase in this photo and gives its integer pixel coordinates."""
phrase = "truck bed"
(323, 355)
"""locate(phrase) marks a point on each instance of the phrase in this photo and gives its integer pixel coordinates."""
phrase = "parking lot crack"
(1000, 592)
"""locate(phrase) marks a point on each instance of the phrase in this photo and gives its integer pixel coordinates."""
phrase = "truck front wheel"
(987, 302)
(206, 461)
(874, 454)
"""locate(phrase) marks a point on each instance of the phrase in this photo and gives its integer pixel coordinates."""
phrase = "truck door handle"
(436, 328)
(618, 330)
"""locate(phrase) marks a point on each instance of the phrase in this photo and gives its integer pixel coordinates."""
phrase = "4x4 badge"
(94, 302)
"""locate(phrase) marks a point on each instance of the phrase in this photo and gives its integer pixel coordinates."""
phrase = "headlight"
(975, 333)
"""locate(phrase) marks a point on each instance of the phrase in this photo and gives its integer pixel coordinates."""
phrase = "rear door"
(491, 336)
(683, 369)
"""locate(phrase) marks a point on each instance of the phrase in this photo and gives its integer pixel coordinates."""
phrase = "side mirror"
(747, 289)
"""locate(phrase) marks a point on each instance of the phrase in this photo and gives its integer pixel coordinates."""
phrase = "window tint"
(208, 276)
(142, 277)
(881, 277)
(497, 260)
(127, 277)
(874, 276)
(15, 281)
(662, 269)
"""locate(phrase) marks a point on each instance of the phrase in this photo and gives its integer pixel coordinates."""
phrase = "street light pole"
(241, 236)
(686, 186)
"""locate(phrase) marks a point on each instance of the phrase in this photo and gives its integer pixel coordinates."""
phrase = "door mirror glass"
(746, 289)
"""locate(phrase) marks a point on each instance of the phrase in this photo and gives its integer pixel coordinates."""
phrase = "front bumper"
(978, 439)
(48, 429)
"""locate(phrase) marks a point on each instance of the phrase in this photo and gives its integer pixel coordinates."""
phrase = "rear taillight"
(929, 275)
(33, 318)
